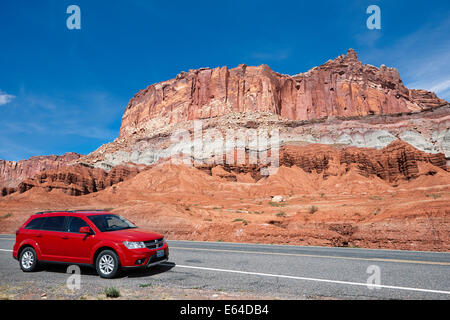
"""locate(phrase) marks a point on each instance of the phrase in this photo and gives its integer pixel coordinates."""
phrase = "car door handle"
(38, 235)
(65, 237)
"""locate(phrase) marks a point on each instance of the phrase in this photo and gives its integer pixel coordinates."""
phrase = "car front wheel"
(28, 260)
(107, 264)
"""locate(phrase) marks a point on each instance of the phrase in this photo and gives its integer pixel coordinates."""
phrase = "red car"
(97, 238)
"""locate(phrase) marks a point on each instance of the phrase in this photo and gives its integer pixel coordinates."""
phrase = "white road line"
(314, 279)
(316, 256)
(306, 247)
(6, 250)
(283, 246)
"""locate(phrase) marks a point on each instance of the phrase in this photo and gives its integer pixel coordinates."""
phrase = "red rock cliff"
(13, 172)
(340, 87)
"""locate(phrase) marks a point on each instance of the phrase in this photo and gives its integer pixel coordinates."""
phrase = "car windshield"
(111, 222)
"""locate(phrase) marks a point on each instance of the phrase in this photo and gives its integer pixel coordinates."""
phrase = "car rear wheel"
(107, 264)
(28, 260)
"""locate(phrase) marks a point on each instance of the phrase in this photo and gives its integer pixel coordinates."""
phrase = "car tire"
(107, 264)
(28, 260)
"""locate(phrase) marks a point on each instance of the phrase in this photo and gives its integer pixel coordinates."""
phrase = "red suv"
(97, 238)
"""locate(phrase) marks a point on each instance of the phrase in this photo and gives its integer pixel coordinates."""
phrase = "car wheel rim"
(106, 264)
(27, 260)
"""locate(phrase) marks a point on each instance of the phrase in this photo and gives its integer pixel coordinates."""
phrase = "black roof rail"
(41, 212)
(70, 211)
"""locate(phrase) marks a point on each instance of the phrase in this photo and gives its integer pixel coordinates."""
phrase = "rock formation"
(327, 119)
(13, 172)
(340, 87)
(77, 180)
(342, 102)
(398, 161)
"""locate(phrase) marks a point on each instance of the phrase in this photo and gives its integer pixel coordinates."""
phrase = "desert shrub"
(112, 292)
(6, 215)
(313, 209)
(245, 222)
(277, 204)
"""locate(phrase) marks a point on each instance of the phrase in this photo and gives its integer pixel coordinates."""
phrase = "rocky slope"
(345, 209)
(394, 163)
(74, 180)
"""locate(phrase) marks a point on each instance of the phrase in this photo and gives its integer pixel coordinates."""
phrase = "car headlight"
(134, 245)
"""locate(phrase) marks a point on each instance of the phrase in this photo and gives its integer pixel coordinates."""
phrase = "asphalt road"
(268, 270)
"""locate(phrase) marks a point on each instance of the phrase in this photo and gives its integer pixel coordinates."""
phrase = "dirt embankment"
(347, 209)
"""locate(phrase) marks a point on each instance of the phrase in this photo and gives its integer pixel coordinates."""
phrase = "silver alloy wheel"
(27, 259)
(106, 264)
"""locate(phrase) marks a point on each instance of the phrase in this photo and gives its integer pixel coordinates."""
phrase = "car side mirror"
(86, 230)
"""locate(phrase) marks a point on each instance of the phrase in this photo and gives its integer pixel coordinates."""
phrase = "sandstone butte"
(366, 153)
(342, 102)
(341, 87)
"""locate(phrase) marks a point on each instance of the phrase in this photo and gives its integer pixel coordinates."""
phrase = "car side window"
(54, 223)
(75, 224)
(35, 224)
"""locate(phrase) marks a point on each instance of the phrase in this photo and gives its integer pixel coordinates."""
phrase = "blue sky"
(65, 90)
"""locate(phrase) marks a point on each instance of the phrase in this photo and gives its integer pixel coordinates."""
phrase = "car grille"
(154, 244)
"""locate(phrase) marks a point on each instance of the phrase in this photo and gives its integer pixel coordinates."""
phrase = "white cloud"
(441, 87)
(5, 98)
(421, 57)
